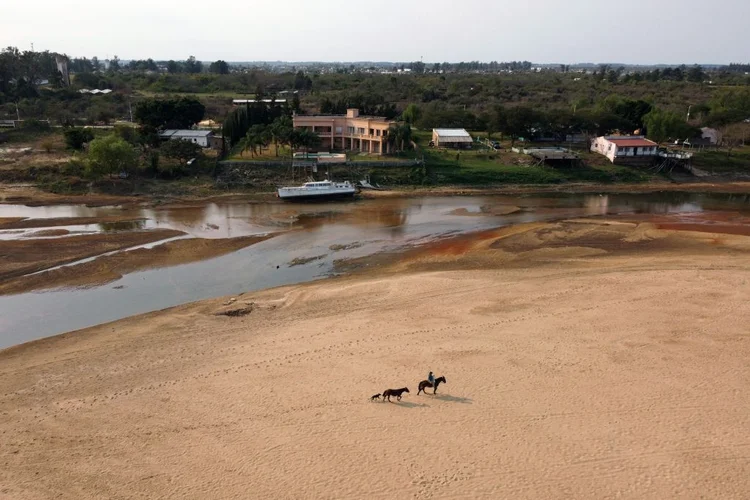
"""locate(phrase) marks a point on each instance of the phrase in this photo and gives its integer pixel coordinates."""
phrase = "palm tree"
(309, 140)
(258, 137)
(399, 136)
(262, 137)
(280, 131)
(248, 143)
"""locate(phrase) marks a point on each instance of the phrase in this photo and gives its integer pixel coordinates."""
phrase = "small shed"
(199, 137)
(451, 138)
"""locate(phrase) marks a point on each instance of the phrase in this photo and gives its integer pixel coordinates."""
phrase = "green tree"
(695, 74)
(110, 155)
(173, 67)
(281, 130)
(412, 114)
(257, 138)
(180, 150)
(302, 82)
(296, 104)
(399, 137)
(735, 135)
(179, 113)
(114, 64)
(663, 125)
(128, 133)
(304, 139)
(520, 122)
(219, 67)
(418, 67)
(192, 65)
(75, 138)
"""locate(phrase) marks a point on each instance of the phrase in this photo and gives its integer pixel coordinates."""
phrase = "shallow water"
(368, 227)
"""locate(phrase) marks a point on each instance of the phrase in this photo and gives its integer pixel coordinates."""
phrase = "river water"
(329, 231)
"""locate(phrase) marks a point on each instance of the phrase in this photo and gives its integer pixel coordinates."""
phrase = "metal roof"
(631, 142)
(452, 134)
(185, 133)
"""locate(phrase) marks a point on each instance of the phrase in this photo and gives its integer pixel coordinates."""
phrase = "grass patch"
(268, 154)
(722, 162)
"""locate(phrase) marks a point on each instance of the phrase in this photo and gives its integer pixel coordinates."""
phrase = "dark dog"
(376, 396)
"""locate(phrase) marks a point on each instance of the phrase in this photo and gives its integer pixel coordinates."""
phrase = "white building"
(712, 135)
(199, 137)
(450, 138)
(252, 101)
(625, 147)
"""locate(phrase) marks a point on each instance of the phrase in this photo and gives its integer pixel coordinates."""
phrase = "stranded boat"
(318, 190)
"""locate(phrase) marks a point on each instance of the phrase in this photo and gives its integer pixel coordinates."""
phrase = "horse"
(394, 392)
(426, 383)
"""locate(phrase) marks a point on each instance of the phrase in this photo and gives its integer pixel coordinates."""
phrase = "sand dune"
(586, 370)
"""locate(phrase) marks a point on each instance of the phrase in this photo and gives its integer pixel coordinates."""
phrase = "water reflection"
(354, 230)
(125, 225)
(597, 205)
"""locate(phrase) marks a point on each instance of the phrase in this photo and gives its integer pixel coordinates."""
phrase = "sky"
(541, 31)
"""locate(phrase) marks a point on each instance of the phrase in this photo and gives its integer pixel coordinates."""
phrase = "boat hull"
(317, 196)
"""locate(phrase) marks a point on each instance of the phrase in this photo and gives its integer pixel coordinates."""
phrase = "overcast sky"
(542, 31)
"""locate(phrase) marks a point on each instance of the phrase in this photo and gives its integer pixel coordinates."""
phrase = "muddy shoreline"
(109, 268)
(31, 196)
(26, 256)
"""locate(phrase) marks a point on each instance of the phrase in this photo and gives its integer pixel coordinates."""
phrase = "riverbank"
(594, 358)
(29, 195)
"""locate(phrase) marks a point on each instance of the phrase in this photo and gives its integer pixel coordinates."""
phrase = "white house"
(450, 137)
(711, 134)
(199, 137)
(617, 147)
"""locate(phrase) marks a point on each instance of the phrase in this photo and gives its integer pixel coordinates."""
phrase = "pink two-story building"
(350, 132)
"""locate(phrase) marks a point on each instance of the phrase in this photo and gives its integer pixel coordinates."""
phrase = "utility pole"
(18, 113)
(130, 108)
(688, 115)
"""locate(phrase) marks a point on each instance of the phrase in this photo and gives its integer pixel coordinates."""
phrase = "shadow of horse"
(454, 399)
(405, 404)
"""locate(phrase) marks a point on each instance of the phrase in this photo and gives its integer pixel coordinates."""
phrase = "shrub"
(111, 155)
(48, 146)
(75, 167)
(36, 126)
(75, 138)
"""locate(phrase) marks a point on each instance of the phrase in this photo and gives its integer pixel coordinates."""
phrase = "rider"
(431, 378)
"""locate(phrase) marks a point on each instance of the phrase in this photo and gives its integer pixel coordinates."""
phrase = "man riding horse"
(430, 382)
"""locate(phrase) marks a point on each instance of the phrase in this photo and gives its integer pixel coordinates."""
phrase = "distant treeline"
(737, 68)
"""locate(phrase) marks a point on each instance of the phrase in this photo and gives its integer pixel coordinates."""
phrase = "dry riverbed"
(110, 268)
(24, 256)
(586, 359)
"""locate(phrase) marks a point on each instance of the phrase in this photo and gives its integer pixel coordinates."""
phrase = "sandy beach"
(586, 359)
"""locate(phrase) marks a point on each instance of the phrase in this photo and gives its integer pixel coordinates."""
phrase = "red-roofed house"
(626, 148)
